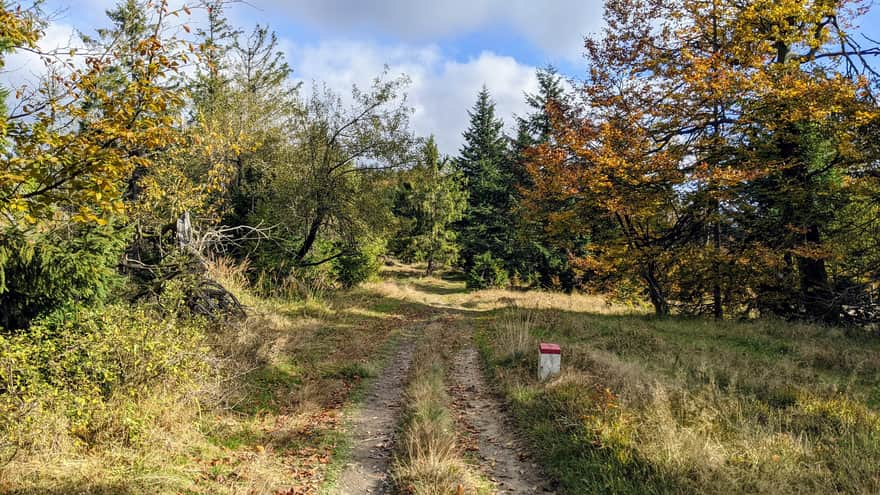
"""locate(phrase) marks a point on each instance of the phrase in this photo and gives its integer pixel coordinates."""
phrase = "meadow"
(675, 405)
(644, 404)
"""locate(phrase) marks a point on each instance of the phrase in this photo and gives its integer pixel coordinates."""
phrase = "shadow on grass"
(454, 276)
(439, 290)
(76, 488)
(402, 272)
(339, 357)
(752, 363)
(575, 458)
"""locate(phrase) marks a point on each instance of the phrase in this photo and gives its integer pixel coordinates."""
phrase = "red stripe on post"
(546, 348)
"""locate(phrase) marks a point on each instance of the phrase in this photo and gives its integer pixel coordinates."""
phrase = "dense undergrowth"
(80, 375)
(147, 399)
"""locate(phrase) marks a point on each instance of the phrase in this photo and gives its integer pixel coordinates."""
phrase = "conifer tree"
(261, 91)
(536, 253)
(484, 163)
(215, 41)
(428, 200)
(537, 125)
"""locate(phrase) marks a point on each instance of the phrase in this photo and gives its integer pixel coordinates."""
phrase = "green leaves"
(92, 366)
(40, 273)
(486, 169)
(428, 200)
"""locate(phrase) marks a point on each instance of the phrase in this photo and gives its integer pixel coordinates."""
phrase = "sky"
(448, 48)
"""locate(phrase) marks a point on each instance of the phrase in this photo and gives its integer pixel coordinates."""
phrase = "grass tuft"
(429, 460)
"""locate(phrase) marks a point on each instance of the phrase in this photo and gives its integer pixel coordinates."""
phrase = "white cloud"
(25, 67)
(442, 89)
(442, 101)
(556, 26)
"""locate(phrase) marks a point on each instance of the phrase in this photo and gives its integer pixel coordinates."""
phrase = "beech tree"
(807, 109)
(72, 145)
(699, 119)
(77, 137)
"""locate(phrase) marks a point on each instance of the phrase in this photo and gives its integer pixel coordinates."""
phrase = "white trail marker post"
(549, 360)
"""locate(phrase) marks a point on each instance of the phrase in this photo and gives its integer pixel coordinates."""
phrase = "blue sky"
(449, 48)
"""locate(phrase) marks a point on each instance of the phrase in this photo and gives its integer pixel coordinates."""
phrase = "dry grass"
(406, 283)
(688, 406)
(514, 334)
(429, 460)
(266, 418)
(643, 405)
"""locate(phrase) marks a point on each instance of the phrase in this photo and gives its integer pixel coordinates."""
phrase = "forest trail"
(374, 424)
(482, 423)
(501, 455)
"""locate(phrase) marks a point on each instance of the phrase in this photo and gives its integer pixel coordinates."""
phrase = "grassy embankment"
(263, 414)
(644, 405)
(648, 405)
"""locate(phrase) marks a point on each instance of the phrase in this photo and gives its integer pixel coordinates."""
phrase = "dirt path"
(501, 457)
(480, 415)
(373, 427)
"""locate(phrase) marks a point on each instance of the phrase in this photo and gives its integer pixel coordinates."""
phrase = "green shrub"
(42, 272)
(361, 263)
(92, 368)
(487, 272)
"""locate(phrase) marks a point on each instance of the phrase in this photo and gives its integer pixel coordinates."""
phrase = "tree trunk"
(718, 308)
(717, 111)
(309, 241)
(655, 293)
(816, 296)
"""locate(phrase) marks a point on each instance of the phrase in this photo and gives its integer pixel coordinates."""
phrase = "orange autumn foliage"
(687, 108)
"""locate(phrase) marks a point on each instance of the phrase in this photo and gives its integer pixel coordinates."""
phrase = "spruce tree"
(260, 81)
(216, 40)
(551, 94)
(428, 200)
(484, 163)
(535, 254)
(260, 66)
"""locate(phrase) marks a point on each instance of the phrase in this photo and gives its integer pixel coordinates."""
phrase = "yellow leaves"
(863, 116)
(18, 205)
(85, 216)
(812, 251)
(56, 168)
(18, 27)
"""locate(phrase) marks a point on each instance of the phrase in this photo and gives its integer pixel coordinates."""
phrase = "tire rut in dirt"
(374, 425)
(501, 456)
